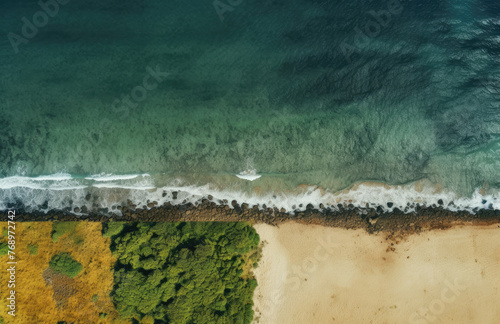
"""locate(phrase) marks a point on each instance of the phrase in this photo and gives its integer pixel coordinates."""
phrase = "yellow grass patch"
(45, 297)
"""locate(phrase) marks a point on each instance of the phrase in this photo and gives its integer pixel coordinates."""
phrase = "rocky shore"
(371, 220)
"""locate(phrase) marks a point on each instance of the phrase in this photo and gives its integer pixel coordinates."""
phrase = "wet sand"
(318, 274)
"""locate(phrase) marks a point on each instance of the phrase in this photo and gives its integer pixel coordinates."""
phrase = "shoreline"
(371, 220)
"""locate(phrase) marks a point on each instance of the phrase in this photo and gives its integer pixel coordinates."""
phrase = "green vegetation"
(95, 298)
(112, 228)
(63, 263)
(183, 272)
(61, 228)
(33, 249)
(4, 249)
(5, 232)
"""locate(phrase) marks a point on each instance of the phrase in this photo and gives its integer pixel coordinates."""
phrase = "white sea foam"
(112, 177)
(116, 185)
(45, 193)
(249, 175)
(53, 177)
(44, 182)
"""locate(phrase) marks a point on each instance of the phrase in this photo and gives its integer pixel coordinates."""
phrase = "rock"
(150, 205)
(440, 202)
(164, 194)
(283, 210)
(390, 204)
(234, 203)
(210, 197)
(119, 207)
(155, 203)
(84, 209)
(174, 195)
(87, 197)
(76, 210)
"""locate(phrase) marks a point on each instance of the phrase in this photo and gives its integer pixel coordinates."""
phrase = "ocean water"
(327, 101)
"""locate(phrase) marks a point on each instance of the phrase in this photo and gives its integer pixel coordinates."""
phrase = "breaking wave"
(105, 192)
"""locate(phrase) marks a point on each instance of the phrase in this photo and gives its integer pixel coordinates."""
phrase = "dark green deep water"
(324, 93)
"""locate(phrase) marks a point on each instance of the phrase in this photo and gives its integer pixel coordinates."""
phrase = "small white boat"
(249, 175)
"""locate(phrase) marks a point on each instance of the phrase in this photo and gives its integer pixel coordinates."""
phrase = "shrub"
(112, 228)
(33, 249)
(4, 249)
(61, 228)
(63, 263)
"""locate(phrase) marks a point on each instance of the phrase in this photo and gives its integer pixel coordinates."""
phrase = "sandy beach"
(317, 274)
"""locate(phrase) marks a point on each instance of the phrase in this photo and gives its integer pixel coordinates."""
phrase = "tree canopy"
(63, 263)
(183, 272)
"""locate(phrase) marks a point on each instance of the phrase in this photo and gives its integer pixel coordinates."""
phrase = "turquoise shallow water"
(304, 92)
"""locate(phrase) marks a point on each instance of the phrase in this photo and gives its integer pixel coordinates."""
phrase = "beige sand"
(314, 274)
